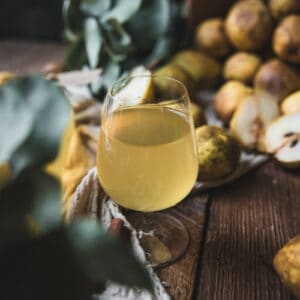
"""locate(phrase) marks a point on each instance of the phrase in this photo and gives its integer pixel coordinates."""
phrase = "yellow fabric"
(79, 160)
(76, 156)
(77, 153)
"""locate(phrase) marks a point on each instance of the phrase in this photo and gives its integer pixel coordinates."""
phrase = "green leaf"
(110, 73)
(122, 11)
(70, 36)
(161, 50)
(29, 205)
(117, 39)
(34, 113)
(95, 7)
(93, 41)
(72, 15)
(106, 258)
(75, 56)
(16, 120)
(43, 268)
(157, 14)
(114, 57)
(46, 211)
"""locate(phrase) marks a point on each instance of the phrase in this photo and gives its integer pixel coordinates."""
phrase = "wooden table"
(235, 230)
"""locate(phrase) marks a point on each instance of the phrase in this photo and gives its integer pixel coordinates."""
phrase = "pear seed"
(289, 134)
(294, 143)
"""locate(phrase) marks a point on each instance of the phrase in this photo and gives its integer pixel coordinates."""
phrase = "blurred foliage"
(117, 35)
(28, 106)
(40, 257)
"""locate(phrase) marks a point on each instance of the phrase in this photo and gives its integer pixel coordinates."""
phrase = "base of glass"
(163, 237)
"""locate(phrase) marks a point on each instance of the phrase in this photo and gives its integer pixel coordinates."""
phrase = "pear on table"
(218, 152)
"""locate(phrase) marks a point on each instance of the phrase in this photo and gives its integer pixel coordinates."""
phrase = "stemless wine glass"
(147, 157)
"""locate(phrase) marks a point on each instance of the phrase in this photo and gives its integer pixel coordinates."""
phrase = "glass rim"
(184, 93)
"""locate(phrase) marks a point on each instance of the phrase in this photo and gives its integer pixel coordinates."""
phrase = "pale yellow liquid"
(147, 159)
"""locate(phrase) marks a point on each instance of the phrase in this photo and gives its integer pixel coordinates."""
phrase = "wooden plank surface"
(22, 57)
(249, 221)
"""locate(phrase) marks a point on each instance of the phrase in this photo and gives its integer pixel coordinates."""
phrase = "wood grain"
(249, 221)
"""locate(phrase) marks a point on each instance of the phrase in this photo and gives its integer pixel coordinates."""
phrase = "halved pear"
(251, 118)
(137, 90)
(244, 125)
(291, 104)
(283, 140)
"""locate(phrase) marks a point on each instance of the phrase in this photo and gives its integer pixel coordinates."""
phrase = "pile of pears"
(258, 44)
(251, 58)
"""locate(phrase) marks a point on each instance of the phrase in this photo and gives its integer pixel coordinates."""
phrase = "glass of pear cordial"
(147, 158)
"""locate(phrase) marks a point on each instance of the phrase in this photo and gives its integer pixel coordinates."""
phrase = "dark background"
(33, 19)
(42, 19)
